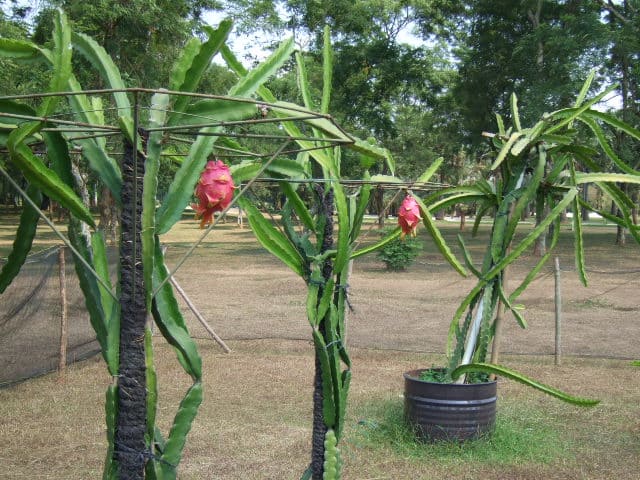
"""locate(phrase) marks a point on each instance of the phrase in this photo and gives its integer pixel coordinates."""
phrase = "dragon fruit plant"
(545, 164)
(136, 447)
(320, 252)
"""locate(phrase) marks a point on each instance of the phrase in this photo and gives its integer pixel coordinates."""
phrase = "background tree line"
(424, 77)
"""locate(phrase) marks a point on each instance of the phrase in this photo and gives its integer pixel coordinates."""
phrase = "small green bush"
(398, 254)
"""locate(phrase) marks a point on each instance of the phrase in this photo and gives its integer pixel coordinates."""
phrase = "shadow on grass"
(522, 435)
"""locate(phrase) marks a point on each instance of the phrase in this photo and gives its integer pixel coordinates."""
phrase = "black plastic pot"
(446, 411)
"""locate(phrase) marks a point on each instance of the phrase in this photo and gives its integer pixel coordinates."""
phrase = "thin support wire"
(217, 219)
(384, 212)
(232, 123)
(280, 107)
(193, 130)
(429, 186)
(66, 241)
(86, 136)
(34, 118)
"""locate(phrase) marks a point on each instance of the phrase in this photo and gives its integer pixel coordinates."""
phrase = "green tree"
(623, 27)
(143, 37)
(383, 87)
(541, 50)
(15, 79)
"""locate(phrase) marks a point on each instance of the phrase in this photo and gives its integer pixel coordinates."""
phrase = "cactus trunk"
(129, 444)
(319, 428)
(325, 208)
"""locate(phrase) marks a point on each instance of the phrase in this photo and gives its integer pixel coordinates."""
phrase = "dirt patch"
(247, 294)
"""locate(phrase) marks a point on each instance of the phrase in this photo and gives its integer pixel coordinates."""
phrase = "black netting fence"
(30, 319)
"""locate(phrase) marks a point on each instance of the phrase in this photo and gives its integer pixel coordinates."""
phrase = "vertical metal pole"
(558, 301)
(62, 363)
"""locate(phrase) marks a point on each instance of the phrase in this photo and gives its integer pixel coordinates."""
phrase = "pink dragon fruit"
(409, 216)
(214, 191)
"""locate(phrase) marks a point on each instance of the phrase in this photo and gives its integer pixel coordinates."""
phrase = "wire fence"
(31, 315)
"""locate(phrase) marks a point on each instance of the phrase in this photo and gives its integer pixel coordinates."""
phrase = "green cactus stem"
(332, 459)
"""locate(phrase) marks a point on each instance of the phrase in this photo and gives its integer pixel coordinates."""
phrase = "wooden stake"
(62, 363)
(346, 311)
(198, 316)
(497, 334)
(240, 219)
(558, 300)
(196, 312)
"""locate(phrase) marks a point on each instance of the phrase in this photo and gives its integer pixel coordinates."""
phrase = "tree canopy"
(425, 77)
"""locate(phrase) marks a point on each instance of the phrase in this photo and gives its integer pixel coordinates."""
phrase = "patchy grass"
(255, 420)
(522, 435)
(594, 303)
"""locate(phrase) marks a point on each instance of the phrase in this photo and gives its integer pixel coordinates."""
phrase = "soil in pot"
(449, 412)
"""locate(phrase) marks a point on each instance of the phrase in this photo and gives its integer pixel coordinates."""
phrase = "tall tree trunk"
(620, 234)
(622, 59)
(621, 237)
(584, 212)
(540, 245)
(378, 205)
(108, 215)
(534, 18)
(326, 206)
(463, 218)
(129, 442)
(439, 214)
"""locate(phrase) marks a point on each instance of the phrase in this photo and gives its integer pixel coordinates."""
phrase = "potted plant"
(546, 164)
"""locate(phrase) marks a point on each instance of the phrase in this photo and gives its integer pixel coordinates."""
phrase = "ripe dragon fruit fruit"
(409, 216)
(214, 191)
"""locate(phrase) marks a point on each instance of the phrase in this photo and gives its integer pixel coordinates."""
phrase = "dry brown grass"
(255, 420)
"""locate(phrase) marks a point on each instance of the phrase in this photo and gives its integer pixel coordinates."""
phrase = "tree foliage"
(142, 36)
(541, 50)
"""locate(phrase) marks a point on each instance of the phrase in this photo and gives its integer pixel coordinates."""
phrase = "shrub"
(399, 253)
